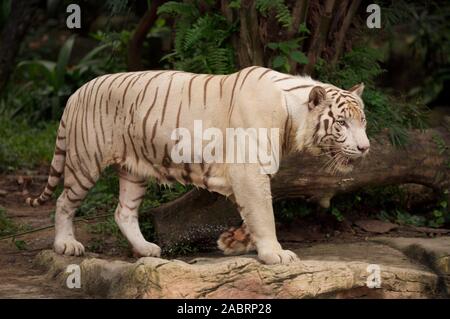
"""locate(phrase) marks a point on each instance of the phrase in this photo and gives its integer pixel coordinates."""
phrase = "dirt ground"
(20, 279)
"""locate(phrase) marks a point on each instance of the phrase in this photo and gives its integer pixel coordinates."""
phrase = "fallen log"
(201, 215)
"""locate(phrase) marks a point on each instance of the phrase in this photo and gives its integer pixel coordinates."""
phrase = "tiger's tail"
(56, 169)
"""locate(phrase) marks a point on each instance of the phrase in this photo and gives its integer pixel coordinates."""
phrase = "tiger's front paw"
(147, 250)
(68, 246)
(277, 256)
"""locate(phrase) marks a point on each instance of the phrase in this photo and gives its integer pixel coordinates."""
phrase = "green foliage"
(337, 214)
(389, 203)
(405, 218)
(20, 244)
(442, 147)
(281, 10)
(287, 51)
(424, 39)
(8, 227)
(362, 64)
(201, 42)
(52, 82)
(24, 146)
(288, 210)
(113, 60)
(270, 7)
(439, 215)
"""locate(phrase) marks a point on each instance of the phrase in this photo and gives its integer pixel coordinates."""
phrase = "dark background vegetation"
(405, 66)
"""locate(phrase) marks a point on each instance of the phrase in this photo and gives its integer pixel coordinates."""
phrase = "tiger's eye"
(341, 122)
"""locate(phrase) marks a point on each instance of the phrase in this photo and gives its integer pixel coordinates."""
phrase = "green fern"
(283, 14)
(179, 8)
(116, 6)
(201, 42)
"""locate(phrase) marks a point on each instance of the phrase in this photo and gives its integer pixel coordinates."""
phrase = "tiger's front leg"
(132, 191)
(252, 193)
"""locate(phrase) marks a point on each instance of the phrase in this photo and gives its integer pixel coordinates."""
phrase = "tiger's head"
(337, 126)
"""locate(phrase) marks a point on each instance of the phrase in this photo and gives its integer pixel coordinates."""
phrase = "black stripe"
(144, 125)
(264, 73)
(190, 86)
(298, 87)
(163, 114)
(72, 171)
(245, 77)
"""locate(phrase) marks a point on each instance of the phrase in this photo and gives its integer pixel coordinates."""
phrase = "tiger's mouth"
(339, 162)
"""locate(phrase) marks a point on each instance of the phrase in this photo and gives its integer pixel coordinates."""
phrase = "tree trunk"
(320, 36)
(12, 35)
(137, 41)
(200, 215)
(250, 49)
(342, 32)
(299, 12)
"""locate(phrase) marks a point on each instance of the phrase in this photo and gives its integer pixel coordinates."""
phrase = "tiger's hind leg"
(76, 188)
(132, 191)
(236, 240)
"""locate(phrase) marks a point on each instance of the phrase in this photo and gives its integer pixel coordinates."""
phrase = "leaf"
(90, 55)
(303, 29)
(279, 61)
(177, 8)
(337, 214)
(38, 68)
(437, 213)
(235, 4)
(285, 47)
(168, 56)
(299, 57)
(63, 61)
(272, 45)
(20, 244)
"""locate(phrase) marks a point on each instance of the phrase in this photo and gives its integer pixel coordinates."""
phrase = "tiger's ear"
(316, 96)
(357, 89)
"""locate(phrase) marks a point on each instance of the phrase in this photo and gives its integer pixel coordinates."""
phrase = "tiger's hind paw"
(236, 241)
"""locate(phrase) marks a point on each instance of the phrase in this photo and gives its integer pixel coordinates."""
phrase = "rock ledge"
(325, 271)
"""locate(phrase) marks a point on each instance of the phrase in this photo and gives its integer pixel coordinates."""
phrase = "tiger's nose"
(363, 149)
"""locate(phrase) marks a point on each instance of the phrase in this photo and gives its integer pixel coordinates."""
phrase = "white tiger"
(126, 120)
